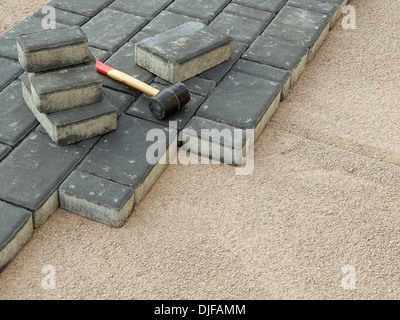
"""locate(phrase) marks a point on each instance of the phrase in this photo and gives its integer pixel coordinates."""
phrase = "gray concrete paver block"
(96, 199)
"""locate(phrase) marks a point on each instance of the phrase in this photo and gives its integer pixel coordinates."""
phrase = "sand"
(320, 209)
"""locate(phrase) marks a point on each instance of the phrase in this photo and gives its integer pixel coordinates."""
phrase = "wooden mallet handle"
(125, 78)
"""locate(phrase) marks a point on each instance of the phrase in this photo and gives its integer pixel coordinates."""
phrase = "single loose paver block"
(9, 70)
(266, 5)
(96, 198)
(126, 155)
(140, 109)
(62, 16)
(52, 49)
(267, 72)
(301, 27)
(74, 125)
(281, 54)
(124, 60)
(183, 52)
(16, 229)
(87, 8)
(240, 28)
(16, 119)
(65, 89)
(242, 100)
(202, 9)
(33, 172)
(102, 36)
(148, 9)
(4, 150)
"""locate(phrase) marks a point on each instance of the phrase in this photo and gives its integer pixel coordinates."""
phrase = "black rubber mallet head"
(163, 103)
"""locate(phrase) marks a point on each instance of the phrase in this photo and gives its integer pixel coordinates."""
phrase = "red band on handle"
(103, 68)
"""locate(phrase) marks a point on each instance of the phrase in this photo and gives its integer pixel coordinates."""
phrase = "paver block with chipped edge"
(66, 89)
(96, 199)
(120, 156)
(33, 172)
(281, 54)
(183, 52)
(52, 49)
(16, 229)
(74, 125)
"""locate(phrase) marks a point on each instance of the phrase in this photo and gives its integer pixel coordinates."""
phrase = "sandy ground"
(320, 209)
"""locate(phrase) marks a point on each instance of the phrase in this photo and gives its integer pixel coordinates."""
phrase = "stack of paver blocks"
(62, 87)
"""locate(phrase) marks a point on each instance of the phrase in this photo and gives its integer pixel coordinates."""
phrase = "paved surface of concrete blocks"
(52, 49)
(33, 172)
(241, 100)
(140, 109)
(16, 120)
(73, 125)
(215, 140)
(301, 27)
(65, 89)
(16, 229)
(240, 28)
(183, 52)
(167, 20)
(205, 10)
(269, 5)
(64, 17)
(122, 155)
(282, 54)
(124, 60)
(87, 8)
(4, 150)
(9, 70)
(97, 199)
(102, 36)
(103, 177)
(148, 9)
(8, 43)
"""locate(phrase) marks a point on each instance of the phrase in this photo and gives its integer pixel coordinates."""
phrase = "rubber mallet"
(163, 103)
